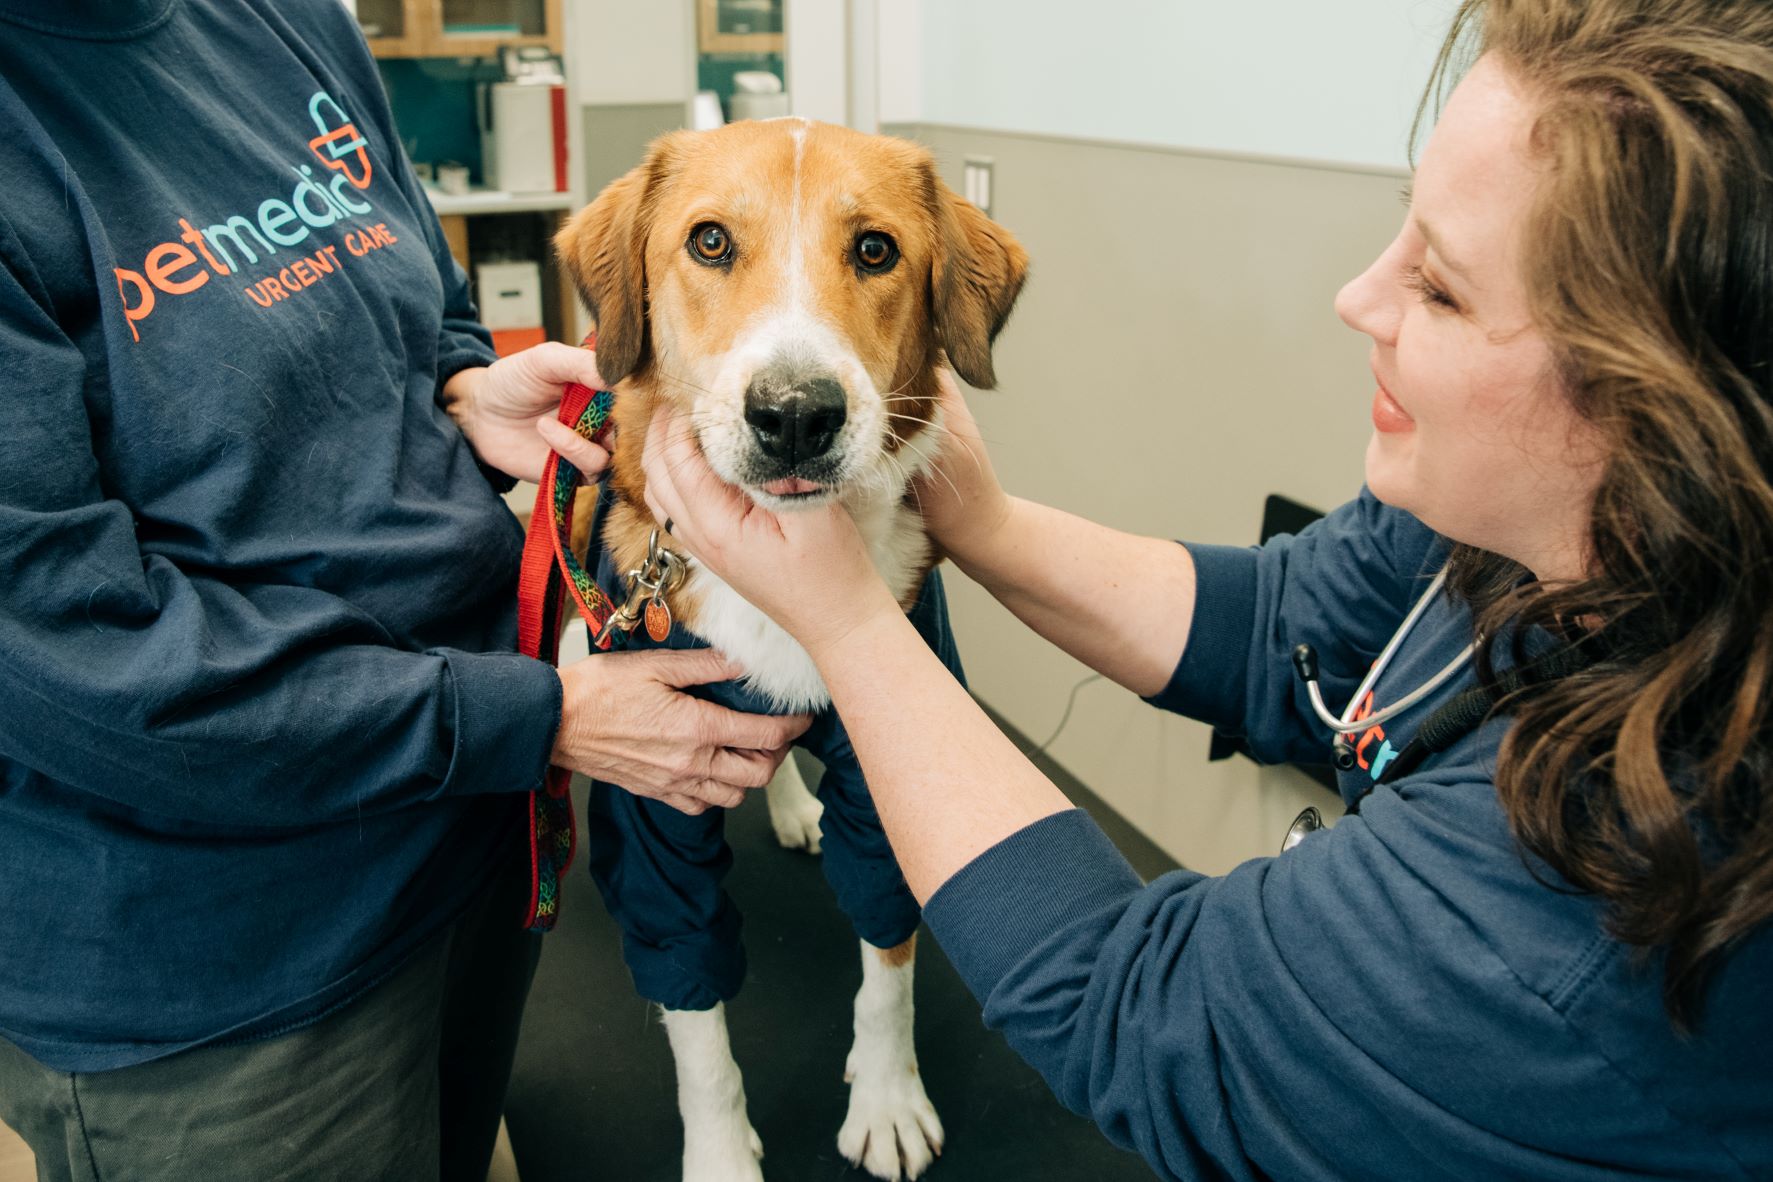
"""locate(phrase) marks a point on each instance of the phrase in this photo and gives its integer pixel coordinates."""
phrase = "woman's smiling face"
(1472, 431)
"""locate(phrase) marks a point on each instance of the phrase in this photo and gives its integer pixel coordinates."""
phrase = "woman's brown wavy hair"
(1644, 779)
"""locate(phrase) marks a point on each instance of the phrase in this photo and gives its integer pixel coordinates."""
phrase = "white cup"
(452, 178)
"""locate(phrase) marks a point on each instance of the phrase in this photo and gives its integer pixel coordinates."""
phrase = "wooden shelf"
(478, 200)
(481, 45)
(422, 33)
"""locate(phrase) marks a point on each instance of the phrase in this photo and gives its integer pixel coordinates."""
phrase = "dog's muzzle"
(795, 420)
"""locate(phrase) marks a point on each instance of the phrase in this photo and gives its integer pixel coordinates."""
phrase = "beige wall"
(1174, 359)
(623, 52)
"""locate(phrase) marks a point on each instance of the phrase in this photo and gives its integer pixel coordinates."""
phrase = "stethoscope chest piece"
(1309, 821)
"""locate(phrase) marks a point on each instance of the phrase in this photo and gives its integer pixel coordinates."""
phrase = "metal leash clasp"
(648, 584)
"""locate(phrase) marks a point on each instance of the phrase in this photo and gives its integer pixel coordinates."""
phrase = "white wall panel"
(818, 59)
(624, 52)
(1328, 80)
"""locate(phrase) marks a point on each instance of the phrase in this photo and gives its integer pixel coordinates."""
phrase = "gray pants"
(405, 1083)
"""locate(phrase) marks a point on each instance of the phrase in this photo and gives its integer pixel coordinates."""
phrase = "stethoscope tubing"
(1347, 724)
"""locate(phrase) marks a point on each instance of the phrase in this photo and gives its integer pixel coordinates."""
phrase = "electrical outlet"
(978, 182)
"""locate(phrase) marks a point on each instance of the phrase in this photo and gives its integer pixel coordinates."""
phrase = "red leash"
(548, 566)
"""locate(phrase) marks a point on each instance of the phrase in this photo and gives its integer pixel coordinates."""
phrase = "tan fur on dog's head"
(793, 319)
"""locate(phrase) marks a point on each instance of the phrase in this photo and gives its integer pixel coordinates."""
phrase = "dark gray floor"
(593, 1098)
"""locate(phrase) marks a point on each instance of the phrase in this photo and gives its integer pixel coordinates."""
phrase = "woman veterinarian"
(265, 747)
(1540, 949)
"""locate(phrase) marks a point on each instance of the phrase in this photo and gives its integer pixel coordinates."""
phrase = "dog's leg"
(719, 1144)
(794, 811)
(892, 1130)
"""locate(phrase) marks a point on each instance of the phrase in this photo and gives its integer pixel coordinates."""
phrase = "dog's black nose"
(798, 423)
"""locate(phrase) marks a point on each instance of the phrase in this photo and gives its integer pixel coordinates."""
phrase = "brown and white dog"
(795, 287)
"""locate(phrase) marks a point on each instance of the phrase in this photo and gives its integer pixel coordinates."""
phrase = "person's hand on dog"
(959, 497)
(509, 410)
(807, 569)
(625, 719)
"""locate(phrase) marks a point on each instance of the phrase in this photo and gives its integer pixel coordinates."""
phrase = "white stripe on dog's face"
(771, 325)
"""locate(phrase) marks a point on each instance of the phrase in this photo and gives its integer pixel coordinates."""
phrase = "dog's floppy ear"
(603, 248)
(978, 271)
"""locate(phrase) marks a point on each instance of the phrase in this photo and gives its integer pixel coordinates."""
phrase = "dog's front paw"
(797, 827)
(725, 1158)
(794, 812)
(892, 1129)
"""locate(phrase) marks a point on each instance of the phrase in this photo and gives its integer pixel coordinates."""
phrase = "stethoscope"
(1342, 751)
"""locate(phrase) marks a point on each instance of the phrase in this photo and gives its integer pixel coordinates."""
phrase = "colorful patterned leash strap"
(548, 566)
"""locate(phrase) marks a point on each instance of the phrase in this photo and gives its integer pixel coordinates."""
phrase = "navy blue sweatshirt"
(262, 730)
(1405, 995)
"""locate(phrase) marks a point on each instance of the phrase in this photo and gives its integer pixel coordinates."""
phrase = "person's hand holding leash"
(808, 570)
(508, 409)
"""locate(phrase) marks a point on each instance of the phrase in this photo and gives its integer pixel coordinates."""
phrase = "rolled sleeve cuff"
(466, 350)
(506, 712)
(462, 348)
(1208, 683)
(1002, 905)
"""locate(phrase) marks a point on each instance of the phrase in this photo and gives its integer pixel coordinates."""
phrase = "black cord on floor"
(1066, 717)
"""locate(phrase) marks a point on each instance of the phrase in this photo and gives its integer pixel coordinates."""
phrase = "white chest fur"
(777, 667)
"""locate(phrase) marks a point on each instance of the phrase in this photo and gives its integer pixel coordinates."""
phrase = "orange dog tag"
(658, 620)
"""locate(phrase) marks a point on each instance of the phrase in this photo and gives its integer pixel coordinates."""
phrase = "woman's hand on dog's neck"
(807, 569)
(960, 499)
(508, 410)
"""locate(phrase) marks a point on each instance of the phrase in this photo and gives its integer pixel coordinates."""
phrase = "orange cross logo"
(340, 141)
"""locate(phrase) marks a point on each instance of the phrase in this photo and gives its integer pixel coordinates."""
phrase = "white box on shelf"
(523, 137)
(510, 299)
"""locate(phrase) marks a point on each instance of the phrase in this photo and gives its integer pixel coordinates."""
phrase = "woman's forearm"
(1118, 602)
(947, 784)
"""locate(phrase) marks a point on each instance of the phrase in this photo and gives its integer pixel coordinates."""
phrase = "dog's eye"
(875, 251)
(709, 243)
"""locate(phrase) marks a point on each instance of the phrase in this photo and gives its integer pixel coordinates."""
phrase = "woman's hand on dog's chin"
(509, 409)
(625, 719)
(808, 569)
(962, 503)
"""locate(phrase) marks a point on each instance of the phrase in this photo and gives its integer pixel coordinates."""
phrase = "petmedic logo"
(245, 246)
(1371, 759)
